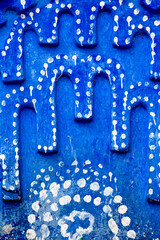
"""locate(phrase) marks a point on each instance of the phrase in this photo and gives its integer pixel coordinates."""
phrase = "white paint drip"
(152, 47)
(122, 77)
(21, 51)
(153, 115)
(23, 3)
(31, 89)
(34, 104)
(46, 69)
(53, 79)
(75, 59)
(110, 176)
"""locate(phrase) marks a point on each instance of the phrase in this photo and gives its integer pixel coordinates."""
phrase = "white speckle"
(6, 230)
(75, 163)
(80, 231)
(100, 166)
(151, 169)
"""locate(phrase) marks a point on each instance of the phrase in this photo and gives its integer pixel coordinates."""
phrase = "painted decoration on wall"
(80, 119)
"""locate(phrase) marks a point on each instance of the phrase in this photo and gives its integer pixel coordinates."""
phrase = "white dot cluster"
(148, 95)
(98, 192)
(44, 88)
(133, 20)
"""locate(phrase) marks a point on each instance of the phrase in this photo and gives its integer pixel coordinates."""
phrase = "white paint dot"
(65, 200)
(54, 188)
(108, 191)
(47, 217)
(97, 201)
(122, 209)
(81, 183)
(87, 198)
(131, 234)
(31, 234)
(44, 231)
(77, 198)
(67, 184)
(31, 218)
(107, 209)
(35, 206)
(117, 199)
(54, 207)
(125, 221)
(94, 186)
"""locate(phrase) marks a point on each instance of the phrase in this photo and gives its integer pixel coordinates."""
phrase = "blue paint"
(79, 122)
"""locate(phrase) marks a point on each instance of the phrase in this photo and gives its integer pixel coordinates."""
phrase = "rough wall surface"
(80, 119)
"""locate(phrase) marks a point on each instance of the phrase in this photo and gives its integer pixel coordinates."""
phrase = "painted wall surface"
(80, 119)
